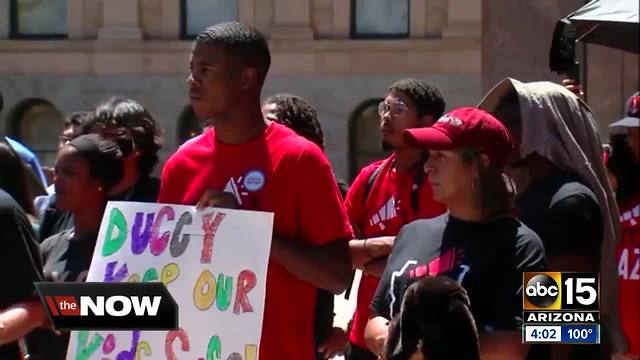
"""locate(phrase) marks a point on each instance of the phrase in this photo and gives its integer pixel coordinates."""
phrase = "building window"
(365, 141)
(38, 19)
(197, 15)
(379, 19)
(189, 125)
(36, 123)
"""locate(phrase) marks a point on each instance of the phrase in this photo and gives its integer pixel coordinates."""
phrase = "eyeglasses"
(395, 108)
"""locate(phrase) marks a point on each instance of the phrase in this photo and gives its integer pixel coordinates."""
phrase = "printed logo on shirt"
(56, 276)
(240, 187)
(451, 261)
(387, 212)
(254, 180)
(631, 215)
(629, 264)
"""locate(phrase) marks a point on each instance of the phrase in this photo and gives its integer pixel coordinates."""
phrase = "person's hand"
(379, 247)
(573, 86)
(335, 344)
(217, 198)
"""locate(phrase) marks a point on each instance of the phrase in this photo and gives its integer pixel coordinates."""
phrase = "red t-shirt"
(385, 210)
(278, 172)
(628, 257)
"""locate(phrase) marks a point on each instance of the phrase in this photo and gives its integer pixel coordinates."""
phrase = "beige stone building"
(59, 56)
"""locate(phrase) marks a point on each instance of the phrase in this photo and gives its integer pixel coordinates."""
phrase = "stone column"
(292, 20)
(341, 19)
(170, 19)
(418, 21)
(464, 18)
(120, 20)
(4, 19)
(246, 12)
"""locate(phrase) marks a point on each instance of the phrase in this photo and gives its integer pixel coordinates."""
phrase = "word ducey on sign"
(214, 264)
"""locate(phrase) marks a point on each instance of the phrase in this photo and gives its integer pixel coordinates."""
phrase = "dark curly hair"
(427, 99)
(297, 114)
(14, 178)
(242, 41)
(132, 127)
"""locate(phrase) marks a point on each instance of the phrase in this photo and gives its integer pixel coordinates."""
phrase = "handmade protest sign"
(214, 264)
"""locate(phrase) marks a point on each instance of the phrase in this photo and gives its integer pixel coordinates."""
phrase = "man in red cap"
(478, 243)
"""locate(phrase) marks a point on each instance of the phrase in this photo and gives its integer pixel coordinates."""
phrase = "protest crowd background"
(418, 157)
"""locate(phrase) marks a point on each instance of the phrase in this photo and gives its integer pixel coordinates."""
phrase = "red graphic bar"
(52, 306)
(68, 305)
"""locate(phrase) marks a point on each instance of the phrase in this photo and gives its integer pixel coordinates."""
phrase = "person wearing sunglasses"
(388, 194)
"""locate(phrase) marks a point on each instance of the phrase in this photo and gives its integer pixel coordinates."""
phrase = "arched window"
(197, 15)
(189, 125)
(365, 141)
(37, 123)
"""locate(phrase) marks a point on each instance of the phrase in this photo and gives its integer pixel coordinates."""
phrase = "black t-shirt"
(66, 259)
(19, 261)
(565, 214)
(486, 258)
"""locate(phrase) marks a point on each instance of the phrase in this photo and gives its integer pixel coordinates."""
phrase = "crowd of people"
(441, 229)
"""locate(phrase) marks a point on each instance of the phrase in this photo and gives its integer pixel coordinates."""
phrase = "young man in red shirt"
(624, 164)
(264, 166)
(389, 194)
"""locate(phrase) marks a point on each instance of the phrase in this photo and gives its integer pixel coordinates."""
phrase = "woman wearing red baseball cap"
(478, 243)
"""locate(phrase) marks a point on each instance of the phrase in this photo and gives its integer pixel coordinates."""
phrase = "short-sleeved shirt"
(628, 260)
(278, 172)
(19, 261)
(566, 215)
(487, 259)
(66, 258)
(382, 211)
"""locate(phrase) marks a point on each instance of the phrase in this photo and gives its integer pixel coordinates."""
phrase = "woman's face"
(75, 188)
(450, 177)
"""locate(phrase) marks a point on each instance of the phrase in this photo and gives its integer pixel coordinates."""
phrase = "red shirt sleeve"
(169, 193)
(322, 215)
(354, 202)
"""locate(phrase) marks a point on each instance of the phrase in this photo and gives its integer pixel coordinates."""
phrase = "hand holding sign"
(213, 262)
(218, 199)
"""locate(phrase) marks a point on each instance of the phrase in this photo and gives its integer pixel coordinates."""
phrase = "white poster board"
(214, 264)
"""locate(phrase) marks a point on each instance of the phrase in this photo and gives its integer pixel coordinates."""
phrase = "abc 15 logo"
(560, 291)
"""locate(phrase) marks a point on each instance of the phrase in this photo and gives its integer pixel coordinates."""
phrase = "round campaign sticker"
(254, 180)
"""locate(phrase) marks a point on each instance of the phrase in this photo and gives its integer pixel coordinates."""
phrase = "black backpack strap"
(418, 179)
(371, 180)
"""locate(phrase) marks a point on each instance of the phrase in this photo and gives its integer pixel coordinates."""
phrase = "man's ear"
(426, 120)
(248, 78)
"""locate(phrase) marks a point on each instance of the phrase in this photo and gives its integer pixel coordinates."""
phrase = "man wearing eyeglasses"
(388, 194)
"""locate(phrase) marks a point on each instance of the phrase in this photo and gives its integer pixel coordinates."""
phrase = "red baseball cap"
(467, 127)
